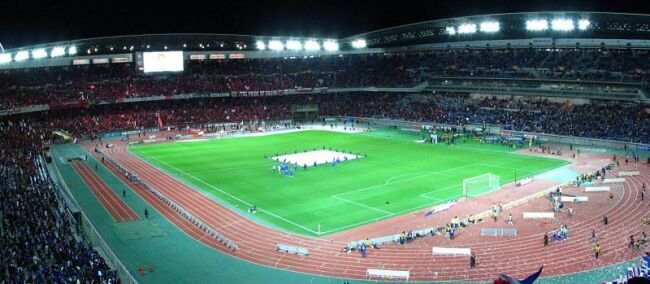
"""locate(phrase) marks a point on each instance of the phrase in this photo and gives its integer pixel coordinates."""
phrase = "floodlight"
(490, 27)
(21, 55)
(583, 24)
(260, 45)
(564, 25)
(536, 25)
(276, 45)
(39, 53)
(293, 45)
(450, 30)
(5, 58)
(331, 45)
(467, 29)
(312, 45)
(359, 43)
(57, 51)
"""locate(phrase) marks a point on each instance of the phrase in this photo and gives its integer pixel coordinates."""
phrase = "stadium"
(457, 150)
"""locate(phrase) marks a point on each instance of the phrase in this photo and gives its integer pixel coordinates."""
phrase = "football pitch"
(392, 176)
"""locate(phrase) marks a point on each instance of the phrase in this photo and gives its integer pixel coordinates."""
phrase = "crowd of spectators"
(615, 121)
(628, 122)
(39, 240)
(114, 81)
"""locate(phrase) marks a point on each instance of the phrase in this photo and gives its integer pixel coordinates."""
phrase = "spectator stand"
(642, 270)
(90, 233)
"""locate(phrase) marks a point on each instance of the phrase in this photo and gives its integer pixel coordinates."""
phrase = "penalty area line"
(425, 174)
(363, 205)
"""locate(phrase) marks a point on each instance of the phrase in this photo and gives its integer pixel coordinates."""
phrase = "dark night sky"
(25, 22)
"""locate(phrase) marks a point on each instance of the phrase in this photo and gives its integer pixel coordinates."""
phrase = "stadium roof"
(514, 26)
(492, 27)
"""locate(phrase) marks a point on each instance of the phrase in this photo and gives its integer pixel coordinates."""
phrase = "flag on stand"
(159, 120)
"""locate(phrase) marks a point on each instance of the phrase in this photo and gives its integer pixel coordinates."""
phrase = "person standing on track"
(546, 239)
(593, 235)
(611, 197)
(597, 250)
(472, 261)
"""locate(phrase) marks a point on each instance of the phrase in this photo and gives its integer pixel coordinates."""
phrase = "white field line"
(426, 194)
(363, 205)
(476, 149)
(232, 196)
(229, 169)
(338, 196)
(399, 181)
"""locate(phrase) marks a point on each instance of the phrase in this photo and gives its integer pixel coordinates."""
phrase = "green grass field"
(397, 176)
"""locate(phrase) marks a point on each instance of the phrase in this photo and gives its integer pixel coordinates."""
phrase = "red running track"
(106, 196)
(518, 257)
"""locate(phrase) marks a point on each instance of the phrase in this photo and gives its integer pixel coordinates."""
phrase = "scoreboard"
(157, 62)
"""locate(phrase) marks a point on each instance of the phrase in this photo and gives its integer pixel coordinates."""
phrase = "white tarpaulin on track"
(539, 215)
(387, 273)
(596, 188)
(613, 180)
(451, 251)
(574, 199)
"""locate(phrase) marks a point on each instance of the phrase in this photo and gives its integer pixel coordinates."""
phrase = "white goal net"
(479, 185)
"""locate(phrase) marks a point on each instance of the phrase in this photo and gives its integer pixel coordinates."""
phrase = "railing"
(92, 236)
(168, 201)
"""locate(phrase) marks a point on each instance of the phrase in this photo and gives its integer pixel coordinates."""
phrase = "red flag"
(159, 120)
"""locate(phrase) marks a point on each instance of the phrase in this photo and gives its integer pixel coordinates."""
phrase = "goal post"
(479, 185)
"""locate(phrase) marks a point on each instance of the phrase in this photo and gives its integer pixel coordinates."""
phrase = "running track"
(106, 196)
(517, 257)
